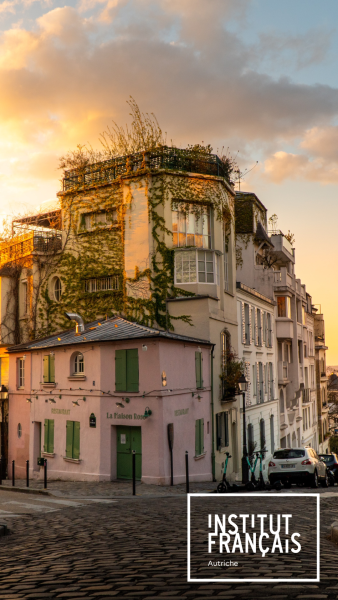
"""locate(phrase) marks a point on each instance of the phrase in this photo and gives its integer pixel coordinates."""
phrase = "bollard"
(27, 473)
(186, 472)
(45, 474)
(13, 473)
(1, 470)
(134, 473)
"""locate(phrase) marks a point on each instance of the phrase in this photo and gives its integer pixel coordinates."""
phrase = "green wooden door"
(128, 439)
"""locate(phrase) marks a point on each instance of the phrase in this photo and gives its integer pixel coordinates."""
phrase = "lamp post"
(243, 386)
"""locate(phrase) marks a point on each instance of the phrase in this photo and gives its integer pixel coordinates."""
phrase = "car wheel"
(325, 482)
(314, 480)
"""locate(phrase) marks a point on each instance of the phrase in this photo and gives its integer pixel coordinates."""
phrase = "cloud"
(283, 165)
(63, 80)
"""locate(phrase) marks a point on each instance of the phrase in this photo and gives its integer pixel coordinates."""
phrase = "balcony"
(283, 248)
(28, 243)
(164, 157)
(283, 372)
(284, 329)
(283, 279)
(306, 395)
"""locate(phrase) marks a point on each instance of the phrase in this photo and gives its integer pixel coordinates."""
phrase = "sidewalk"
(110, 489)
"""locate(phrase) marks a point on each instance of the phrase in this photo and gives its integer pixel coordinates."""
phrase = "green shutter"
(132, 370)
(69, 439)
(197, 438)
(120, 370)
(50, 442)
(198, 368)
(46, 368)
(45, 444)
(76, 440)
(202, 436)
(52, 369)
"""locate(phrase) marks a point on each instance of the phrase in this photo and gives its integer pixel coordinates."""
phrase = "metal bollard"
(134, 472)
(45, 474)
(27, 473)
(13, 473)
(186, 472)
(0, 470)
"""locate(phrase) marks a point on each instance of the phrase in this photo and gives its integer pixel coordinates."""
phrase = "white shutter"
(243, 323)
(256, 328)
(250, 326)
(248, 378)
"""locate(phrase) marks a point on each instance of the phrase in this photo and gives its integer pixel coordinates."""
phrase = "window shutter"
(69, 439)
(120, 370)
(256, 328)
(132, 372)
(243, 323)
(226, 429)
(83, 222)
(50, 443)
(52, 369)
(45, 443)
(76, 440)
(46, 368)
(218, 430)
(198, 369)
(197, 438)
(250, 325)
(202, 436)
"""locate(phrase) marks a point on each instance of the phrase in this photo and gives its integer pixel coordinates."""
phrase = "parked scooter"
(224, 487)
(252, 463)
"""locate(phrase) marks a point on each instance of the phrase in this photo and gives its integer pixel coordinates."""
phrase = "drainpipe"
(212, 415)
(78, 320)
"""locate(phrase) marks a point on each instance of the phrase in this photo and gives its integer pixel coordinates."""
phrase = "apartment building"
(268, 266)
(257, 348)
(321, 381)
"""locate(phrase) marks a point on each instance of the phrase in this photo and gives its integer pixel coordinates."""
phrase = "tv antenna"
(242, 174)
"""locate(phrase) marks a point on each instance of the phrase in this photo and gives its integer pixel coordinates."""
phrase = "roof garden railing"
(164, 157)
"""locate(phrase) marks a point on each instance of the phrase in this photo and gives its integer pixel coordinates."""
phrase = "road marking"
(66, 502)
(31, 506)
(100, 500)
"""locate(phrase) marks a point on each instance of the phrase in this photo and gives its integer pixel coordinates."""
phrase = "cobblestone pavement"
(111, 489)
(133, 548)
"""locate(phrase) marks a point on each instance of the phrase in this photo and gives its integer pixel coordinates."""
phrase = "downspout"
(212, 415)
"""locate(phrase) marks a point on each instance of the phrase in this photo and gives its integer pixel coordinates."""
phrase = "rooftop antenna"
(242, 174)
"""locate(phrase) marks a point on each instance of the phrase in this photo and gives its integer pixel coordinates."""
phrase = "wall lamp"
(119, 404)
(147, 412)
(75, 403)
(29, 400)
(52, 401)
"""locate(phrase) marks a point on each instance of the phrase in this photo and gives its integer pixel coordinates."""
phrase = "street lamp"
(243, 386)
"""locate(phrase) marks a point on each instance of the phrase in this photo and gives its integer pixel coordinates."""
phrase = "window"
(198, 369)
(21, 372)
(251, 439)
(199, 437)
(222, 430)
(259, 327)
(99, 284)
(272, 433)
(262, 433)
(254, 379)
(284, 306)
(253, 324)
(264, 327)
(225, 357)
(126, 370)
(271, 382)
(78, 364)
(247, 323)
(19, 430)
(57, 289)
(269, 330)
(192, 266)
(260, 396)
(188, 230)
(303, 316)
(49, 436)
(73, 439)
(226, 267)
(24, 298)
(49, 368)
(91, 221)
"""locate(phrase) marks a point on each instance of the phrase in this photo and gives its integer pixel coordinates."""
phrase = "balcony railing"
(24, 245)
(306, 395)
(163, 157)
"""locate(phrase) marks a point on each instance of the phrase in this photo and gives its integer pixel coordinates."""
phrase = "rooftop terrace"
(164, 157)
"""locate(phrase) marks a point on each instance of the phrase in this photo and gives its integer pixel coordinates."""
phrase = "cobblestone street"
(134, 548)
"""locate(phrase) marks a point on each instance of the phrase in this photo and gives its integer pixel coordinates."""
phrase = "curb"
(334, 532)
(25, 490)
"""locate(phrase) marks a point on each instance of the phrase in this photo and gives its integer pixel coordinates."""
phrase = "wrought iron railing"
(24, 245)
(164, 157)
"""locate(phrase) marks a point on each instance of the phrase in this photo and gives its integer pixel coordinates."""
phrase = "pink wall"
(98, 445)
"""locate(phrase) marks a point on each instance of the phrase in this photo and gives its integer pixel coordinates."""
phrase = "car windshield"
(289, 453)
(327, 458)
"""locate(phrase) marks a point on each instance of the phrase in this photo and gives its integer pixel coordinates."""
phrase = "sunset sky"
(257, 76)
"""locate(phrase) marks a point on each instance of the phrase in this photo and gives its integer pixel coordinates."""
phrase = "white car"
(297, 465)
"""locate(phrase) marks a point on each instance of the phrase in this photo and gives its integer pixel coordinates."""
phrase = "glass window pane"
(175, 239)
(174, 220)
(199, 241)
(210, 278)
(190, 239)
(190, 223)
(199, 225)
